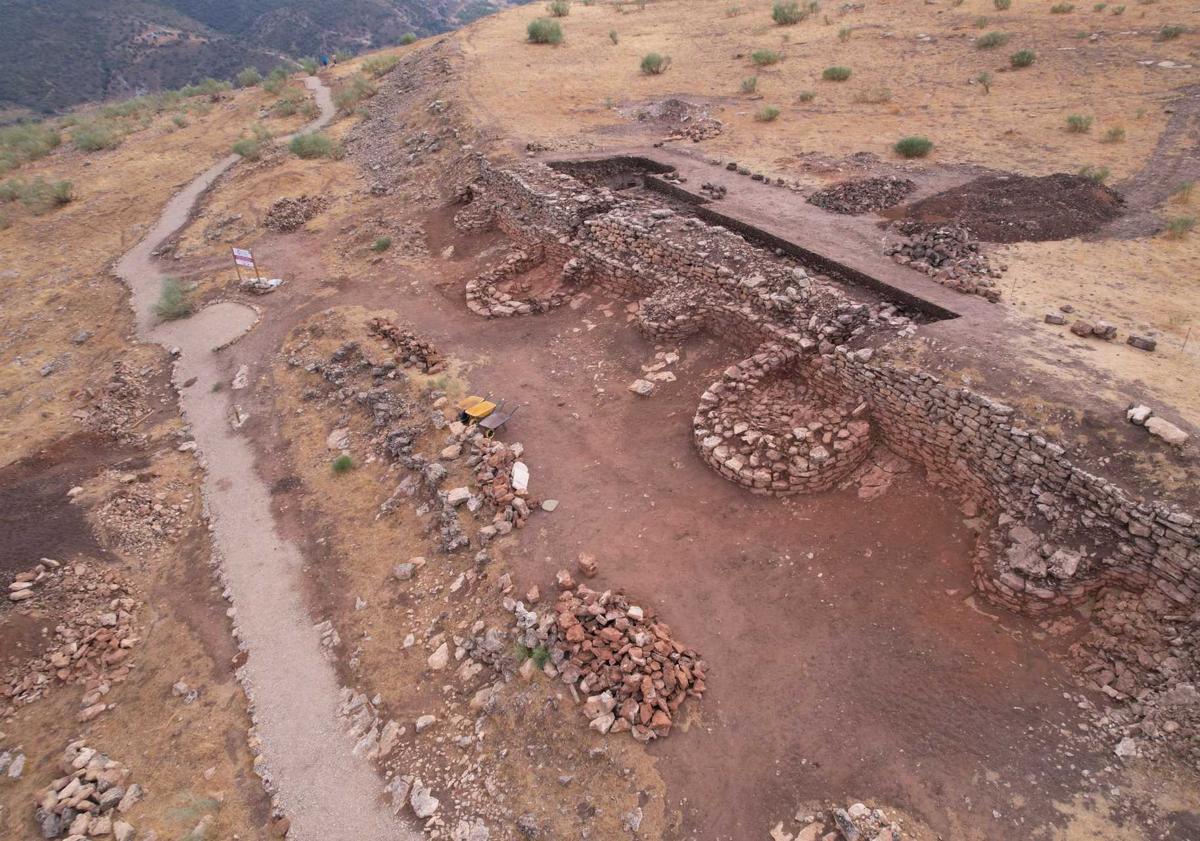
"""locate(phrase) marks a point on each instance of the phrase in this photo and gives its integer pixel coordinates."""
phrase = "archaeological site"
(602, 420)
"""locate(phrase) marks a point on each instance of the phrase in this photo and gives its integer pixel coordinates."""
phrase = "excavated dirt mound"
(1016, 208)
(863, 195)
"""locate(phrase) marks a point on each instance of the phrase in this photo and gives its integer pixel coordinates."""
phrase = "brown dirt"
(1017, 208)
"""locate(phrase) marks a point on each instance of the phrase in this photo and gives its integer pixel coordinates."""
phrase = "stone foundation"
(1055, 533)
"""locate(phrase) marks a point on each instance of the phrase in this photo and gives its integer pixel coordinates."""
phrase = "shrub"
(806, 96)
(39, 196)
(1118, 10)
(765, 58)
(381, 245)
(249, 77)
(342, 464)
(96, 135)
(1180, 226)
(836, 74)
(750, 85)
(913, 146)
(315, 144)
(787, 13)
(180, 121)
(1116, 134)
(733, 11)
(10, 190)
(408, 38)
(1022, 58)
(1061, 9)
(173, 300)
(1184, 193)
(559, 8)
(767, 114)
(376, 66)
(873, 96)
(248, 148)
(544, 31)
(1002, 5)
(985, 79)
(981, 22)
(1170, 32)
(1079, 124)
(5, 222)
(205, 87)
(654, 64)
(992, 40)
(1095, 174)
(309, 66)
(26, 142)
(354, 91)
(844, 33)
(275, 81)
(1099, 7)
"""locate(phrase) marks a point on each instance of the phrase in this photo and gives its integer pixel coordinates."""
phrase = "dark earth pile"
(289, 214)
(1017, 208)
(865, 195)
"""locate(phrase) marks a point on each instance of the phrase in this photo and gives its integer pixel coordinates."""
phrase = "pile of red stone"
(93, 617)
(288, 214)
(411, 349)
(502, 479)
(635, 676)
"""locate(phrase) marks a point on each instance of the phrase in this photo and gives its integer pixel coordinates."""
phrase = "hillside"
(65, 52)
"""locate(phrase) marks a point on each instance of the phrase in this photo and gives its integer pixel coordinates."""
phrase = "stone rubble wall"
(1057, 533)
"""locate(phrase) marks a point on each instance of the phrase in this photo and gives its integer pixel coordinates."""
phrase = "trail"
(326, 793)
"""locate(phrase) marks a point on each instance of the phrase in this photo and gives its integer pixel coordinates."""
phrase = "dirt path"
(325, 792)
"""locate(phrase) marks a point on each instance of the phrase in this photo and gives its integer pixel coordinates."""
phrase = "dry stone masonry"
(90, 800)
(814, 360)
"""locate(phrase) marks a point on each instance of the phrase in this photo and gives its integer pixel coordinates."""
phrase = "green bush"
(612, 36)
(1099, 7)
(836, 74)
(767, 114)
(1116, 134)
(750, 85)
(408, 38)
(354, 91)
(275, 81)
(1079, 124)
(544, 31)
(1118, 10)
(844, 33)
(786, 13)
(654, 64)
(382, 244)
(765, 58)
(806, 96)
(1171, 32)
(1022, 58)
(342, 464)
(1062, 9)
(315, 144)
(180, 121)
(558, 8)
(913, 146)
(378, 65)
(985, 79)
(95, 136)
(1095, 174)
(873, 96)
(25, 142)
(992, 40)
(982, 21)
(173, 300)
(248, 148)
(1180, 226)
(249, 77)
(39, 196)
(1002, 5)
(205, 87)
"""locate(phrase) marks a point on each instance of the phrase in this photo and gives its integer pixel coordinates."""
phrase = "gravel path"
(327, 794)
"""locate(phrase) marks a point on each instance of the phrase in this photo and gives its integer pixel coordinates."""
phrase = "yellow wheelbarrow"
(474, 409)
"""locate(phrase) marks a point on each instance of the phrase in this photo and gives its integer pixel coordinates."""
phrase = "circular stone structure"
(763, 426)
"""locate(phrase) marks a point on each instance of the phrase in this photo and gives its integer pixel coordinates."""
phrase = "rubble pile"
(411, 349)
(856, 822)
(92, 609)
(713, 191)
(503, 480)
(864, 195)
(633, 675)
(1144, 655)
(119, 405)
(90, 800)
(138, 519)
(288, 214)
(949, 255)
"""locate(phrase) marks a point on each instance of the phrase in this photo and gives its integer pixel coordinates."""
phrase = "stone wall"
(1053, 533)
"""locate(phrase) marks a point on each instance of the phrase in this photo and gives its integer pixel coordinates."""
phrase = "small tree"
(249, 77)
(655, 64)
(913, 146)
(544, 31)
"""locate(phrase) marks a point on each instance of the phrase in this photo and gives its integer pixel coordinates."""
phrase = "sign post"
(242, 258)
